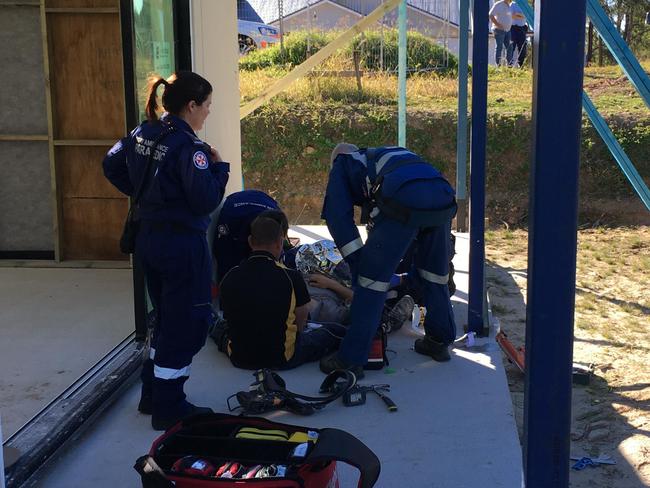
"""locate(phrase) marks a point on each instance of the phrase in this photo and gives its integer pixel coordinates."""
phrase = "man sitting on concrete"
(266, 306)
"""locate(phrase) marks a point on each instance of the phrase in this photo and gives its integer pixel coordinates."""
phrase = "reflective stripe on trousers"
(382, 286)
(169, 373)
(432, 277)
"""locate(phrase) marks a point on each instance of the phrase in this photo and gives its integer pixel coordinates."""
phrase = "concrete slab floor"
(55, 324)
(454, 426)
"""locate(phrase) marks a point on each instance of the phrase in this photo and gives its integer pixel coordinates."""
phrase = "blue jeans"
(503, 41)
(313, 344)
(518, 36)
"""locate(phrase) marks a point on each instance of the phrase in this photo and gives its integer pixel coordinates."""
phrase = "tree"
(629, 18)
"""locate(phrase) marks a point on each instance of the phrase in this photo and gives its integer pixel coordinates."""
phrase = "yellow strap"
(268, 434)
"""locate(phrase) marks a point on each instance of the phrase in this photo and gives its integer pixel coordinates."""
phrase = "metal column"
(401, 103)
(557, 116)
(627, 62)
(461, 128)
(476, 309)
(131, 116)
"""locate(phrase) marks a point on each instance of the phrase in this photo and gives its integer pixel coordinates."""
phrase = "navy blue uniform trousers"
(387, 243)
(178, 268)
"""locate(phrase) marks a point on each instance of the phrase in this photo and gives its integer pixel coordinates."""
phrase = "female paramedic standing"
(185, 182)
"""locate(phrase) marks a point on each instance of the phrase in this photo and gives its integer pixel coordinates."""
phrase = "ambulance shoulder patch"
(117, 147)
(200, 160)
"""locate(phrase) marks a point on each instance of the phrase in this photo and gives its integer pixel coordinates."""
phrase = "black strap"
(371, 164)
(147, 169)
(338, 445)
(270, 393)
(151, 474)
(423, 219)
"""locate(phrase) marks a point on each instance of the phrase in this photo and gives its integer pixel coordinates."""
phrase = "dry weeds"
(612, 414)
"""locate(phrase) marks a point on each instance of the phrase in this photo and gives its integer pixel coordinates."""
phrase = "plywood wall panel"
(80, 172)
(22, 96)
(25, 200)
(86, 76)
(93, 228)
(81, 3)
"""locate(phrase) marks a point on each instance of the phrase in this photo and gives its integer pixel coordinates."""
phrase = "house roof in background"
(268, 9)
(246, 12)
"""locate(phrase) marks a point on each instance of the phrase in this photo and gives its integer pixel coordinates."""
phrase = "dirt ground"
(611, 416)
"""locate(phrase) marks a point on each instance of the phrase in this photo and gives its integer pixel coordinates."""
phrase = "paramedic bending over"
(405, 199)
(186, 182)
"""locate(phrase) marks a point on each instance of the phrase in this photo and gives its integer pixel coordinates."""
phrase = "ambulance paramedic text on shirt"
(406, 200)
(185, 183)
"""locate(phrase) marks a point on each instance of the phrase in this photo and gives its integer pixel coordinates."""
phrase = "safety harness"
(269, 392)
(391, 208)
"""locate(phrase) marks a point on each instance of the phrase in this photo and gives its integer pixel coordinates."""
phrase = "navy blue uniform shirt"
(186, 185)
(350, 183)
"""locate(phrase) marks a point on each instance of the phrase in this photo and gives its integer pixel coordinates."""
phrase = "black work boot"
(169, 404)
(399, 314)
(146, 400)
(430, 347)
(146, 396)
(332, 362)
(188, 410)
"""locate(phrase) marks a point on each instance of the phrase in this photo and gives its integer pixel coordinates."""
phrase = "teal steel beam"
(617, 151)
(461, 129)
(599, 122)
(401, 82)
(619, 49)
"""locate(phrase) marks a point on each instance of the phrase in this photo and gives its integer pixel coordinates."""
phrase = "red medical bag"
(226, 451)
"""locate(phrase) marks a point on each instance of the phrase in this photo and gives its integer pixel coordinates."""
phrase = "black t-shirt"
(258, 299)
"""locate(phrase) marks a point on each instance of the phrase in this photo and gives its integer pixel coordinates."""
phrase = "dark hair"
(268, 228)
(180, 89)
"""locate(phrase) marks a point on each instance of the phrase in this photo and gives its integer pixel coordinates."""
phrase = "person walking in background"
(518, 33)
(183, 180)
(501, 17)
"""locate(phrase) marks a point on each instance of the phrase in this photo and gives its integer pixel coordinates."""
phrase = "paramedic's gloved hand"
(396, 280)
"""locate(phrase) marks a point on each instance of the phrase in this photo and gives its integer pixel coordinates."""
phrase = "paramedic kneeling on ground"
(266, 305)
(182, 186)
(406, 199)
(233, 227)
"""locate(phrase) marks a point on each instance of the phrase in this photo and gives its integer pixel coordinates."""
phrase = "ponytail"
(180, 89)
(151, 109)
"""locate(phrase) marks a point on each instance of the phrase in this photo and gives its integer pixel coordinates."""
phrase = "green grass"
(509, 90)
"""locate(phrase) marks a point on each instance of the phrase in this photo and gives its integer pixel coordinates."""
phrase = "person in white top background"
(501, 17)
(518, 33)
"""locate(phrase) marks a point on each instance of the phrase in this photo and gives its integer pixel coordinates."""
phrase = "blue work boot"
(169, 404)
(430, 347)
(332, 362)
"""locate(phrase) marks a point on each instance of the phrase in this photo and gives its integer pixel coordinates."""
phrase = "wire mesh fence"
(280, 32)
